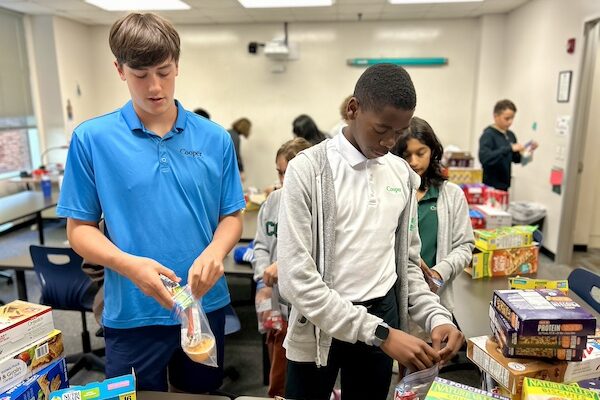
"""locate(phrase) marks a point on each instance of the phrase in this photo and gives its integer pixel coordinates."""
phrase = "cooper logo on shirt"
(190, 153)
(395, 190)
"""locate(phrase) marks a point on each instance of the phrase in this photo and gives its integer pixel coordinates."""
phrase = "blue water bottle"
(46, 185)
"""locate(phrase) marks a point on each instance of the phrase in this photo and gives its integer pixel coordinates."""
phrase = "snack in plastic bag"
(415, 386)
(197, 339)
(268, 313)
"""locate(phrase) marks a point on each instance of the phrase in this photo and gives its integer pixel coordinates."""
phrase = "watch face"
(382, 332)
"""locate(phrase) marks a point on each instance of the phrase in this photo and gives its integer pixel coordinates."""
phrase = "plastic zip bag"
(415, 386)
(197, 339)
(268, 314)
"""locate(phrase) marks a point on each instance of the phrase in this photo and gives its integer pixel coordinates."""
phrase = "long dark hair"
(420, 130)
(305, 127)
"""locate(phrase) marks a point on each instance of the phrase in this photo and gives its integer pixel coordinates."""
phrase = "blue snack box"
(40, 384)
(118, 388)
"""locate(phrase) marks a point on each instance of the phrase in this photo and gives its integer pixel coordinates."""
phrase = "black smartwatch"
(381, 334)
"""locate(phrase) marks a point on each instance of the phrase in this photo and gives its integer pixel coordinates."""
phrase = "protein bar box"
(543, 312)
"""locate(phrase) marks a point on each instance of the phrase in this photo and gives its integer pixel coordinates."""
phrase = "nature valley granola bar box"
(535, 389)
(118, 388)
(442, 389)
(22, 323)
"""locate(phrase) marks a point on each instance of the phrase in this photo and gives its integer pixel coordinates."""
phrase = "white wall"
(536, 35)
(217, 73)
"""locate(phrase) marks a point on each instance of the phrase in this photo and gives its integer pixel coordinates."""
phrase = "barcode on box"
(41, 351)
(491, 366)
(71, 396)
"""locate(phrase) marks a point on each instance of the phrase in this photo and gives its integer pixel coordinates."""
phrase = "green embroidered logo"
(271, 228)
(393, 189)
(412, 224)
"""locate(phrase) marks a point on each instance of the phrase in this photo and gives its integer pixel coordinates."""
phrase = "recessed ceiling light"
(285, 3)
(131, 5)
(431, 1)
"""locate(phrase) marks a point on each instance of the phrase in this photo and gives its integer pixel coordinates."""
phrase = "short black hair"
(420, 130)
(305, 127)
(202, 112)
(504, 105)
(384, 85)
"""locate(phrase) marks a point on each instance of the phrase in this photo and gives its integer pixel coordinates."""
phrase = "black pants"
(366, 371)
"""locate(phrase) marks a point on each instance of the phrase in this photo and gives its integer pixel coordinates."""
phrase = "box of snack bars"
(510, 337)
(535, 389)
(537, 352)
(504, 262)
(509, 373)
(465, 175)
(496, 198)
(504, 238)
(22, 323)
(39, 385)
(443, 389)
(474, 192)
(589, 367)
(543, 312)
(494, 217)
(532, 283)
(18, 366)
(118, 388)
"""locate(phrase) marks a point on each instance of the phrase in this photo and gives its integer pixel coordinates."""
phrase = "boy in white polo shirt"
(349, 253)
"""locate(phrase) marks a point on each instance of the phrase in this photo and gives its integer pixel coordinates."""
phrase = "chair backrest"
(64, 286)
(586, 285)
(232, 321)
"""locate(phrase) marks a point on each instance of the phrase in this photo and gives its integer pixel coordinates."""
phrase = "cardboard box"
(588, 368)
(510, 372)
(496, 198)
(507, 237)
(494, 217)
(17, 367)
(465, 175)
(537, 352)
(119, 388)
(543, 312)
(522, 283)
(40, 384)
(474, 192)
(22, 323)
(477, 219)
(442, 389)
(504, 262)
(535, 389)
(511, 339)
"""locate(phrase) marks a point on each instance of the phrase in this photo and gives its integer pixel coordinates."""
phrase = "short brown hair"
(143, 40)
(504, 105)
(291, 148)
(343, 108)
(242, 126)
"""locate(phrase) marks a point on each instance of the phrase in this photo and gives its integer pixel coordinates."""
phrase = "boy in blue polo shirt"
(167, 184)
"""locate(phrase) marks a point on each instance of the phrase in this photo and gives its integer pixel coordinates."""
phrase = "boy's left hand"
(448, 334)
(206, 270)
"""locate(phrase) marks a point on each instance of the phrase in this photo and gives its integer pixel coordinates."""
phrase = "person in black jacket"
(498, 147)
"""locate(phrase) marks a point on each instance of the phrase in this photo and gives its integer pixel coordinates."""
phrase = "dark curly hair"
(384, 85)
(420, 130)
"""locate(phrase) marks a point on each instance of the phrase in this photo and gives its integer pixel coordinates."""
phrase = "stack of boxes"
(541, 334)
(505, 251)
(31, 352)
(487, 203)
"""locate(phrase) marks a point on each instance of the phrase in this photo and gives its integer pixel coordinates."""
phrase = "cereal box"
(510, 372)
(535, 389)
(504, 262)
(442, 389)
(504, 238)
(22, 323)
(511, 339)
(531, 283)
(40, 384)
(494, 217)
(118, 388)
(18, 366)
(543, 312)
(465, 175)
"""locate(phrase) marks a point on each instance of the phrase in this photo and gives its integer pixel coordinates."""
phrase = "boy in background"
(348, 253)
(167, 184)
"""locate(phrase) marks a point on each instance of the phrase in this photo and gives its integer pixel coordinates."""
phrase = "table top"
(19, 205)
(232, 268)
(472, 297)
(176, 396)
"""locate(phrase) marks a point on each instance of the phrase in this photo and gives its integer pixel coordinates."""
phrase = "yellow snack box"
(505, 237)
(519, 282)
(535, 389)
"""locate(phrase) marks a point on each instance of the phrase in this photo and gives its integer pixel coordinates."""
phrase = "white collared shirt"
(370, 196)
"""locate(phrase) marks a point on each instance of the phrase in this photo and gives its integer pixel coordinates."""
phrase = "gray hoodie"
(455, 239)
(306, 251)
(265, 243)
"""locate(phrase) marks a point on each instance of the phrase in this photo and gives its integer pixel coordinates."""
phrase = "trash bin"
(529, 213)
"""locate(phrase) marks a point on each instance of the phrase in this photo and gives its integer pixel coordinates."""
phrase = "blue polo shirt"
(161, 198)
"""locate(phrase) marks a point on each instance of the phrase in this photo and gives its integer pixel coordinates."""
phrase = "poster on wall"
(564, 86)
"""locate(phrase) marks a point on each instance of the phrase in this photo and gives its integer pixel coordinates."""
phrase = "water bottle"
(46, 185)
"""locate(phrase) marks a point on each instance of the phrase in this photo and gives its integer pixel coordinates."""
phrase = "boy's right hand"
(409, 350)
(517, 147)
(270, 275)
(144, 273)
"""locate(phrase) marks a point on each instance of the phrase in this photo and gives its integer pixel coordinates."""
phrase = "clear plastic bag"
(415, 386)
(197, 339)
(267, 310)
